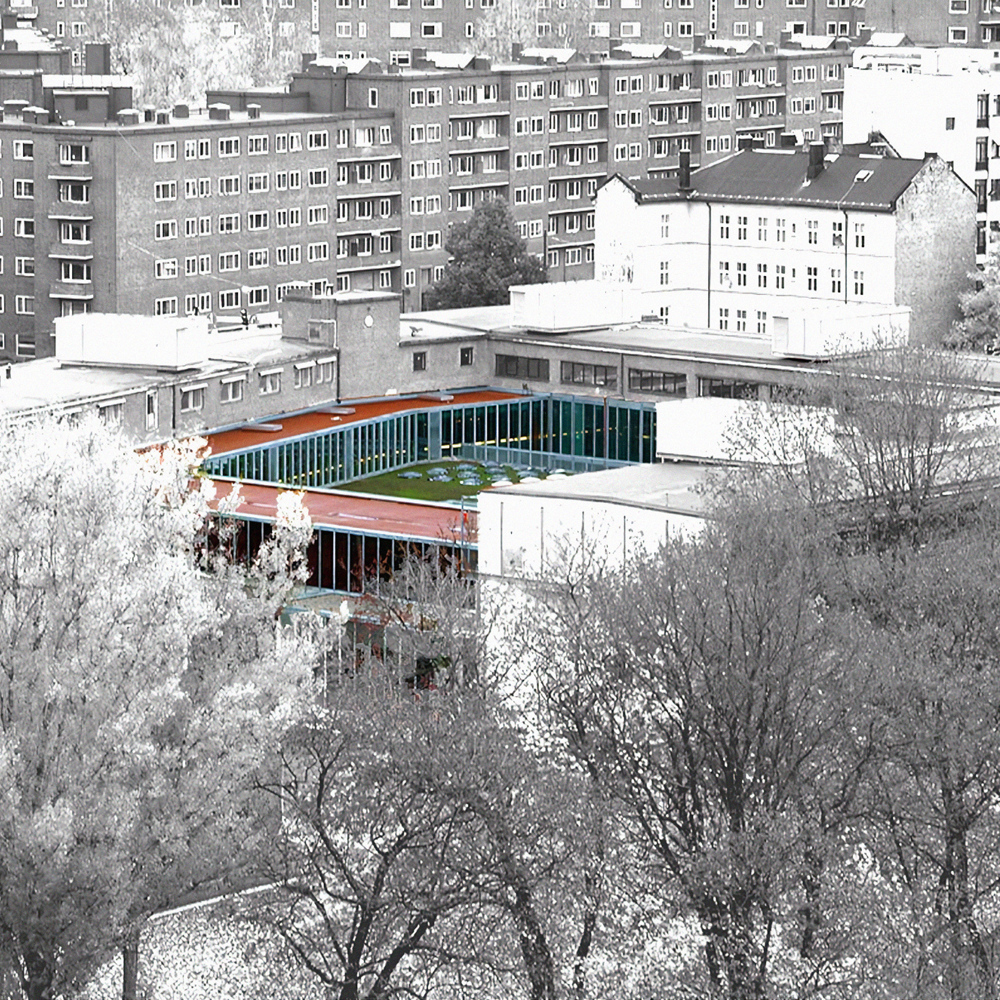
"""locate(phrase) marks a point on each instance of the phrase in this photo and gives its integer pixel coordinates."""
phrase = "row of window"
(778, 274)
(284, 218)
(231, 388)
(781, 228)
(257, 145)
(234, 260)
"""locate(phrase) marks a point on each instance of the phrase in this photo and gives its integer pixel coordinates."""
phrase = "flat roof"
(663, 486)
(45, 383)
(361, 513)
(322, 418)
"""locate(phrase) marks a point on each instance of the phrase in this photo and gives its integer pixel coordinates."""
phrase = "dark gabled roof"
(778, 177)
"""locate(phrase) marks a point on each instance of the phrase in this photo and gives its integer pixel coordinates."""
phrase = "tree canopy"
(142, 682)
(487, 257)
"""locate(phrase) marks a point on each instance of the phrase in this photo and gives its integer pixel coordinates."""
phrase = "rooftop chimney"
(253, 111)
(182, 111)
(162, 117)
(817, 150)
(684, 170)
(218, 112)
(788, 140)
(744, 142)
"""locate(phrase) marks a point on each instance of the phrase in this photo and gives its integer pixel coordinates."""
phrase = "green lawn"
(391, 485)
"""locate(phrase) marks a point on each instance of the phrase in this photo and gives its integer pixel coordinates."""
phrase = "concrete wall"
(935, 249)
(532, 537)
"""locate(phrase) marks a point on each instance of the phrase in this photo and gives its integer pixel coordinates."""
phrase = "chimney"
(515, 51)
(684, 170)
(308, 58)
(787, 140)
(162, 117)
(218, 112)
(182, 111)
(817, 150)
(253, 111)
(97, 58)
(148, 113)
(744, 142)
(129, 116)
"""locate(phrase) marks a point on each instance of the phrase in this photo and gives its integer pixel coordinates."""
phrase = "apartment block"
(349, 178)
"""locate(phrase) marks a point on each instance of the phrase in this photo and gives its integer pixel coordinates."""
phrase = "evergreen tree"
(487, 257)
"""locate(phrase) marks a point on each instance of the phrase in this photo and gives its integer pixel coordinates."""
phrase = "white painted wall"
(535, 537)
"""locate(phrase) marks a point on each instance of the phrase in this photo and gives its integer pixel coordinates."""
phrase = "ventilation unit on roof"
(863, 175)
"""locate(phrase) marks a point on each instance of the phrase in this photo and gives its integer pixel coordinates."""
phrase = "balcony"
(80, 290)
(71, 251)
(72, 211)
(71, 171)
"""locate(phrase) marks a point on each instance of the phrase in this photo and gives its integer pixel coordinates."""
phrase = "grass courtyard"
(443, 480)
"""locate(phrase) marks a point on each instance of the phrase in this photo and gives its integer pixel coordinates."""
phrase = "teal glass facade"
(573, 433)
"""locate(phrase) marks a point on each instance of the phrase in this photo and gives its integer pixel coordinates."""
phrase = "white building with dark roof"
(769, 233)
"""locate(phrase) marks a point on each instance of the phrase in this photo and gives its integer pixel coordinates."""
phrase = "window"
(662, 383)
(24, 150)
(24, 305)
(419, 361)
(812, 278)
(229, 261)
(24, 228)
(229, 224)
(258, 183)
(724, 227)
(836, 283)
(317, 252)
(165, 229)
(304, 375)
(318, 214)
(812, 231)
(269, 382)
(24, 266)
(23, 188)
(526, 369)
(192, 398)
(958, 36)
(164, 152)
(165, 268)
(859, 283)
(229, 185)
(859, 234)
(465, 356)
(229, 146)
(256, 221)
(257, 258)
(577, 373)
(762, 275)
(741, 227)
(231, 390)
(664, 273)
(320, 177)
(165, 307)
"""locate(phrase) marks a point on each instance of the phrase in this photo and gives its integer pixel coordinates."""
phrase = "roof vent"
(863, 175)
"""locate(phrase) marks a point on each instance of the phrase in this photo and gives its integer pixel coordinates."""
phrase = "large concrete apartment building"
(943, 100)
(348, 178)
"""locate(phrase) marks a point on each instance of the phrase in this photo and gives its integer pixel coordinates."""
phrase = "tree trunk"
(972, 974)
(38, 976)
(130, 965)
(534, 948)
